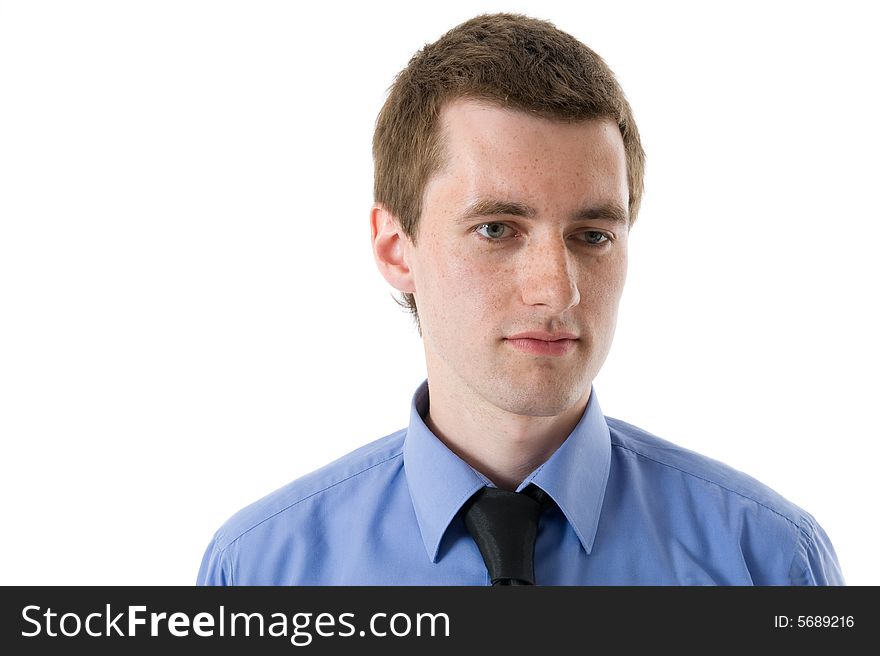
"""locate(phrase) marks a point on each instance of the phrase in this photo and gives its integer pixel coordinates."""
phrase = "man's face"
(520, 258)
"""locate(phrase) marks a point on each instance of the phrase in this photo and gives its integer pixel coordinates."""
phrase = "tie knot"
(504, 525)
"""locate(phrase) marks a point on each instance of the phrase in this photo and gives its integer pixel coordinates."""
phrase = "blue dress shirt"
(631, 509)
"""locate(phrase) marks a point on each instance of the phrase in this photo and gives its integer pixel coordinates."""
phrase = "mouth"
(543, 343)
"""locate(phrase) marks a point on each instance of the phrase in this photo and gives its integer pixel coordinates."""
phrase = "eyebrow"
(488, 207)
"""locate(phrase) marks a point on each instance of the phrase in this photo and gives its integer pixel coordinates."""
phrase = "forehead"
(491, 149)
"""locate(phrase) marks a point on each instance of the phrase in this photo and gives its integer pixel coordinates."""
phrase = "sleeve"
(213, 570)
(816, 561)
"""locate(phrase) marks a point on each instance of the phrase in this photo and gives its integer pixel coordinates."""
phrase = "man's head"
(508, 174)
(507, 60)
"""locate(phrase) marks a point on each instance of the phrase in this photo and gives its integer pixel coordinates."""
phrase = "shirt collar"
(440, 482)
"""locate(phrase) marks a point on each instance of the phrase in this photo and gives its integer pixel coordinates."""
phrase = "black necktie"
(504, 525)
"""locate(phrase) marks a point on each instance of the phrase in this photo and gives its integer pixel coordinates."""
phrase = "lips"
(543, 335)
(543, 343)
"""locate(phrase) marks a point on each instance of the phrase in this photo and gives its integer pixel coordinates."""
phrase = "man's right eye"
(493, 231)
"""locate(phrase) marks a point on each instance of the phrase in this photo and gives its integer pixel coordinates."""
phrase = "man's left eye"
(594, 237)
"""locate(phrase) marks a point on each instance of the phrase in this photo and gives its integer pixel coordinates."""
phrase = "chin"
(540, 399)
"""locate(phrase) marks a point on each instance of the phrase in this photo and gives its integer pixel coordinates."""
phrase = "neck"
(503, 446)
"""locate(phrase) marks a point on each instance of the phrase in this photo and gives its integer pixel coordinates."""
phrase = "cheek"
(602, 287)
(465, 288)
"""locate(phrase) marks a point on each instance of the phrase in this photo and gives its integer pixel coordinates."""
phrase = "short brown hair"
(509, 60)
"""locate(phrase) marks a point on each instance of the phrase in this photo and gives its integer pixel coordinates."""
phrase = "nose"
(547, 276)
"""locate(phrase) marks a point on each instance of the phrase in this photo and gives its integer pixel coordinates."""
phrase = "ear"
(391, 249)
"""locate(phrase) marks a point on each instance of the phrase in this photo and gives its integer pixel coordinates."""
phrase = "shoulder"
(347, 475)
(778, 542)
(696, 470)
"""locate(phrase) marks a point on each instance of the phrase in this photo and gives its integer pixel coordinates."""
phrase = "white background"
(190, 316)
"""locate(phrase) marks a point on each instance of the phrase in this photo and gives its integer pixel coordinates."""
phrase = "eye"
(594, 237)
(493, 231)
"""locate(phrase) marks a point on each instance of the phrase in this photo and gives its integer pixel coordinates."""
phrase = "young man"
(508, 174)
